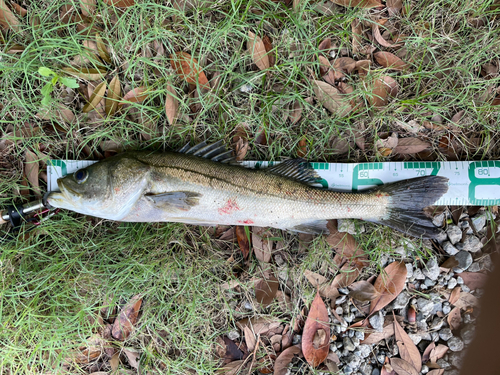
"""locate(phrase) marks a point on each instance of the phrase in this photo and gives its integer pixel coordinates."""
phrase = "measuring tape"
(471, 183)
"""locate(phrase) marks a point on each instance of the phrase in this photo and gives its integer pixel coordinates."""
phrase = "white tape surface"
(472, 183)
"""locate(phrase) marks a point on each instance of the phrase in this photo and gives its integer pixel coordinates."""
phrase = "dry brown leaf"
(357, 35)
(375, 337)
(316, 351)
(427, 352)
(437, 353)
(348, 274)
(18, 9)
(89, 74)
(411, 145)
(133, 357)
(474, 280)
(407, 349)
(318, 281)
(325, 45)
(232, 368)
(389, 284)
(90, 352)
(358, 3)
(383, 88)
(102, 49)
(187, 68)
(331, 98)
(439, 371)
(325, 70)
(120, 3)
(402, 367)
(266, 289)
(284, 359)
(8, 19)
(394, 7)
(390, 61)
(262, 246)
(362, 291)
(243, 242)
(60, 114)
(114, 96)
(87, 7)
(295, 112)
(171, 105)
(466, 300)
(269, 46)
(137, 95)
(125, 321)
(363, 66)
(31, 171)
(241, 148)
(250, 339)
(344, 244)
(257, 50)
(96, 97)
(378, 37)
(343, 65)
(302, 147)
(454, 318)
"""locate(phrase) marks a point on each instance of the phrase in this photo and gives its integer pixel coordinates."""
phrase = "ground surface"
(397, 81)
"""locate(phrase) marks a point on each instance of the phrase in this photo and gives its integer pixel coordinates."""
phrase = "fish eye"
(81, 176)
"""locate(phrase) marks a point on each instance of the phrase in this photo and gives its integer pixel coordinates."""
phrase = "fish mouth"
(66, 195)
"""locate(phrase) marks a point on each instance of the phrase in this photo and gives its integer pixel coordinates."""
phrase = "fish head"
(107, 189)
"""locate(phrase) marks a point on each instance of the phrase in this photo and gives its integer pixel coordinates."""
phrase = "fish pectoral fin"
(297, 169)
(175, 200)
(313, 227)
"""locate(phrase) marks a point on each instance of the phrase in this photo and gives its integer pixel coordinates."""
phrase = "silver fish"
(198, 186)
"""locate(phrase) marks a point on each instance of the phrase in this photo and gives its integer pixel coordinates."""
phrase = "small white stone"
(454, 234)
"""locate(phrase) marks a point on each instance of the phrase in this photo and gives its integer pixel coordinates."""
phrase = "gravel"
(402, 300)
(454, 234)
(348, 344)
(409, 270)
(452, 283)
(445, 334)
(377, 322)
(431, 269)
(471, 244)
(233, 335)
(415, 337)
(449, 248)
(424, 306)
(479, 222)
(455, 344)
(467, 333)
(443, 364)
(464, 261)
(418, 275)
(340, 300)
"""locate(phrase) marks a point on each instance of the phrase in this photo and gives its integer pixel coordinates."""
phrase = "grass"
(54, 282)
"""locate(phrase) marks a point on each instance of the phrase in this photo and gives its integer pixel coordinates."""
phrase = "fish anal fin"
(297, 169)
(175, 200)
(313, 227)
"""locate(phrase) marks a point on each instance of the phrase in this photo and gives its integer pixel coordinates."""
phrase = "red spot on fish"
(349, 209)
(229, 207)
(248, 221)
(117, 189)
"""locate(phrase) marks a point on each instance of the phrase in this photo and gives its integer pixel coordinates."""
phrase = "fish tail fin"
(407, 200)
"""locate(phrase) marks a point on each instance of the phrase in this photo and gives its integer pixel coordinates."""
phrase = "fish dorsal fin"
(215, 151)
(175, 200)
(297, 169)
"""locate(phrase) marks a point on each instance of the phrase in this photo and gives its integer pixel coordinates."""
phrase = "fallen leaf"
(437, 353)
(243, 242)
(96, 97)
(384, 88)
(120, 3)
(318, 281)
(89, 74)
(394, 7)
(345, 244)
(87, 7)
(348, 274)
(427, 352)
(114, 361)
(284, 359)
(474, 280)
(133, 356)
(102, 49)
(389, 284)
(376, 337)
(302, 149)
(257, 50)
(362, 291)
(331, 99)
(295, 112)
(402, 367)
(266, 289)
(390, 61)
(137, 95)
(363, 66)
(171, 105)
(358, 3)
(114, 95)
(187, 68)
(250, 339)
(231, 350)
(262, 325)
(466, 300)
(454, 318)
(317, 320)
(262, 246)
(407, 349)
(410, 145)
(387, 368)
(325, 45)
(268, 45)
(357, 35)
(378, 37)
(31, 171)
(125, 321)
(232, 368)
(343, 65)
(8, 19)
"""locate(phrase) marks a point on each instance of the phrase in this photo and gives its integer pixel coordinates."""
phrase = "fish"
(201, 185)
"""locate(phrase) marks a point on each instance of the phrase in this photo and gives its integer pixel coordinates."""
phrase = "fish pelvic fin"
(174, 200)
(296, 169)
(312, 227)
(407, 200)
